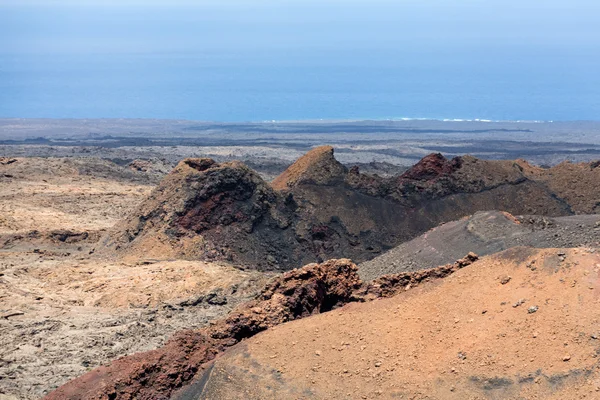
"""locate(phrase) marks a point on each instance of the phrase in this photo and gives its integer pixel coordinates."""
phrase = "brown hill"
(521, 324)
(318, 167)
(317, 209)
(205, 210)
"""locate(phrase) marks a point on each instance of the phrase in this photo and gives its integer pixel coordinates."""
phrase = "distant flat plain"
(275, 144)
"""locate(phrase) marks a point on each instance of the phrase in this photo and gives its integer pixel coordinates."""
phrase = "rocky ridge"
(518, 324)
(318, 209)
(313, 289)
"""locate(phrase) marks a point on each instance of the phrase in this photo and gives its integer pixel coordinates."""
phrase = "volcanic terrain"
(485, 232)
(174, 281)
(519, 324)
(318, 209)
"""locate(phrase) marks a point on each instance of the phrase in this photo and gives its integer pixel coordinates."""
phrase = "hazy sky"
(55, 26)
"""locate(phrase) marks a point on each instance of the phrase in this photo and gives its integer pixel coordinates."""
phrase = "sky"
(55, 26)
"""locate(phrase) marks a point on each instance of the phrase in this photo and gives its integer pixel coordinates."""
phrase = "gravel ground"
(483, 233)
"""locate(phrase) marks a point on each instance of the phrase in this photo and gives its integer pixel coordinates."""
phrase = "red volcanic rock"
(158, 373)
(432, 166)
(390, 285)
(203, 210)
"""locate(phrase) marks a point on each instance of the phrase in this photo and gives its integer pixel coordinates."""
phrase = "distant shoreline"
(305, 121)
(396, 142)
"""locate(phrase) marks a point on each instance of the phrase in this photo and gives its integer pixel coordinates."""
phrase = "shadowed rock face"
(210, 211)
(317, 209)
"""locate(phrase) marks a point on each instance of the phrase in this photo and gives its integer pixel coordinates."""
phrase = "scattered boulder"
(7, 160)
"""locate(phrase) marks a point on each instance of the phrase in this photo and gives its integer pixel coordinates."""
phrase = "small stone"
(317, 353)
(532, 309)
(567, 357)
(505, 279)
(378, 364)
(518, 303)
(531, 265)
(462, 355)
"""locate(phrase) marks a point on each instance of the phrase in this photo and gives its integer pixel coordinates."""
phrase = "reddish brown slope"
(521, 324)
(313, 289)
(318, 167)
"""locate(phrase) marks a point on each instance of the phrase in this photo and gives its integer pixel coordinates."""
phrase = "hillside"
(484, 233)
(520, 324)
(318, 209)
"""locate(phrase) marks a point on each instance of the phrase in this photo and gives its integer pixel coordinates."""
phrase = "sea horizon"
(240, 90)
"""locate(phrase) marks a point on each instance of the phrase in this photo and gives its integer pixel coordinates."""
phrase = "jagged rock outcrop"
(391, 284)
(313, 289)
(317, 209)
(157, 374)
(7, 160)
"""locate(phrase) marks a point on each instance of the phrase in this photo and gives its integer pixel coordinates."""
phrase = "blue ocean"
(104, 63)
